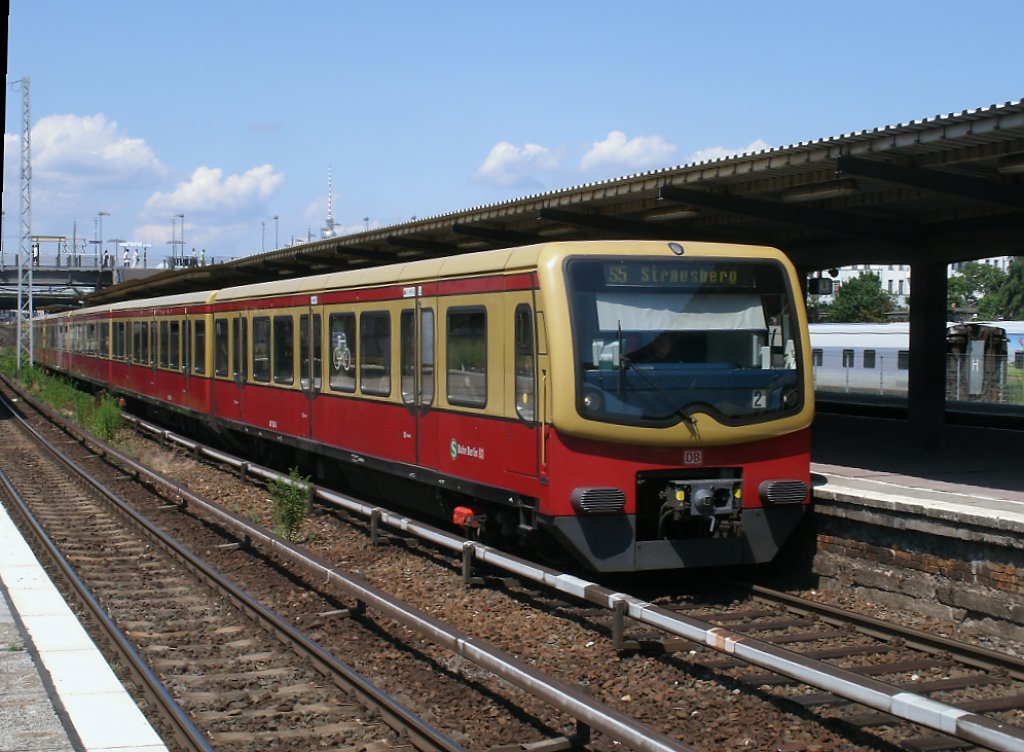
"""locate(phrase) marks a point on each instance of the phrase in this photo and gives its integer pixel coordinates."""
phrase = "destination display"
(648, 274)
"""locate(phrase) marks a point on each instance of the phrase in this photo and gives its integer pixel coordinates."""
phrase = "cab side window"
(525, 359)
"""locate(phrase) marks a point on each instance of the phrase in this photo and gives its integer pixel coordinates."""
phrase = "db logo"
(693, 457)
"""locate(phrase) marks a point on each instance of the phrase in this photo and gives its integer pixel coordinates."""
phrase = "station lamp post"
(276, 244)
(182, 218)
(99, 247)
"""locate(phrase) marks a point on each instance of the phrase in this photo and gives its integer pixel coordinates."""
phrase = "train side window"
(284, 350)
(903, 360)
(847, 358)
(173, 343)
(342, 351)
(105, 339)
(136, 341)
(467, 356)
(220, 344)
(304, 351)
(869, 359)
(816, 356)
(375, 353)
(199, 341)
(525, 359)
(240, 351)
(164, 343)
(261, 348)
(118, 340)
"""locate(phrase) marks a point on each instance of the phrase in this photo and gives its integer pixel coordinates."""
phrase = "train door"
(310, 360)
(523, 436)
(417, 347)
(154, 354)
(239, 360)
(63, 359)
(184, 365)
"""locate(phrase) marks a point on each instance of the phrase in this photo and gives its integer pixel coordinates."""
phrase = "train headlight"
(790, 397)
(592, 402)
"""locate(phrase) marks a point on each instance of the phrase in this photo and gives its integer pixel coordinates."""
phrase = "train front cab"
(680, 405)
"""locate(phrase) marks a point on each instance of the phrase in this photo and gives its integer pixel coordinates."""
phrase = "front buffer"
(621, 510)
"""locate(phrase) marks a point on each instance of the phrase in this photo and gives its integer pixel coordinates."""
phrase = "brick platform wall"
(953, 569)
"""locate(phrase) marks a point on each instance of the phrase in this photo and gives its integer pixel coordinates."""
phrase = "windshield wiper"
(625, 363)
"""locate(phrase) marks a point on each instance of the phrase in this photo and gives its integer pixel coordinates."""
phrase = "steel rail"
(881, 696)
(560, 695)
(975, 655)
(397, 715)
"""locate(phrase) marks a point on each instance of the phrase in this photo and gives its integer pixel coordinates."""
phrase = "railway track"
(936, 680)
(663, 679)
(227, 673)
(971, 678)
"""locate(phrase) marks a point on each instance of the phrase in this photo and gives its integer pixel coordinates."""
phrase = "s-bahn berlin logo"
(455, 449)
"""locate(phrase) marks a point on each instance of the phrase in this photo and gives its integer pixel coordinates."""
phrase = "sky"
(233, 113)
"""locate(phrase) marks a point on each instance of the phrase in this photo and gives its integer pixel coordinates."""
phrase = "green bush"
(106, 418)
(9, 362)
(291, 504)
(99, 414)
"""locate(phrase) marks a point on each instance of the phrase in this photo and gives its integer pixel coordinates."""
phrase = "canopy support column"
(926, 398)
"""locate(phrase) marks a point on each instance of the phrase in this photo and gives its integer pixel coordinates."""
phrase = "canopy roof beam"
(821, 219)
(504, 237)
(599, 222)
(427, 246)
(964, 186)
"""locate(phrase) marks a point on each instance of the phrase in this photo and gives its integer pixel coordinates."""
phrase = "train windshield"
(658, 340)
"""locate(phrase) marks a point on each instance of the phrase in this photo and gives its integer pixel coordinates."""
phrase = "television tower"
(328, 231)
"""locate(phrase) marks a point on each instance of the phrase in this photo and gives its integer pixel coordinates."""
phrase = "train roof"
(167, 301)
(497, 261)
(482, 262)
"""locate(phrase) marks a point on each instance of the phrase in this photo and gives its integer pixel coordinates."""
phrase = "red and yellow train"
(638, 404)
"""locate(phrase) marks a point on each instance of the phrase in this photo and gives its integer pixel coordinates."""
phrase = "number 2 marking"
(760, 400)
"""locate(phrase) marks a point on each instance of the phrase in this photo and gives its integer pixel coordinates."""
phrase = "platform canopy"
(937, 190)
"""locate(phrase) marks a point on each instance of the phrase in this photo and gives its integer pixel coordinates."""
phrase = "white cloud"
(208, 191)
(511, 165)
(721, 152)
(88, 151)
(616, 152)
(75, 159)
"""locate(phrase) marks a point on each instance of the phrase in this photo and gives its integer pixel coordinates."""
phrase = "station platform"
(57, 691)
(977, 472)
